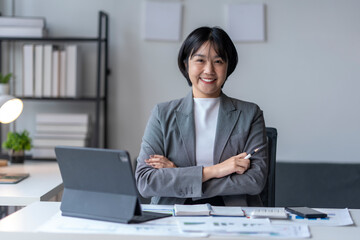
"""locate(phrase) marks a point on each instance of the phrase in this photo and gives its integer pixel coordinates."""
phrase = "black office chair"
(268, 193)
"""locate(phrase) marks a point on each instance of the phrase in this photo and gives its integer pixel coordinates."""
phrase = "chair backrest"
(268, 194)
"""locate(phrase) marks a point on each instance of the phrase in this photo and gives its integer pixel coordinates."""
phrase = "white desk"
(44, 183)
(22, 225)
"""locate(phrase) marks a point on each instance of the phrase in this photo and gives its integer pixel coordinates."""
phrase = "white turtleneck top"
(206, 114)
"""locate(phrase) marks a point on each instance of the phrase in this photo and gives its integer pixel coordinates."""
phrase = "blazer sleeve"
(253, 180)
(181, 182)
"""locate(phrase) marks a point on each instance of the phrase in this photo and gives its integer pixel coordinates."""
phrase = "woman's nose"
(209, 68)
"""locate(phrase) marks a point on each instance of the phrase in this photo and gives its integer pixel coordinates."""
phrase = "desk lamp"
(10, 110)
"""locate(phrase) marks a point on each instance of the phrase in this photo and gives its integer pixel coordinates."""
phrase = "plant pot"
(4, 89)
(16, 156)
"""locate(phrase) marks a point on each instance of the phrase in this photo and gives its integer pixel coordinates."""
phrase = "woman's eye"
(200, 60)
(219, 61)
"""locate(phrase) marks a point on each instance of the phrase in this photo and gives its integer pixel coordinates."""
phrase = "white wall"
(305, 77)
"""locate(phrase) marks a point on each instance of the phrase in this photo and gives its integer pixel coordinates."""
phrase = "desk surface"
(43, 183)
(22, 225)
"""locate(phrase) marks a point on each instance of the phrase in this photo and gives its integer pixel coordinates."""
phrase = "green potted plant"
(4, 83)
(17, 143)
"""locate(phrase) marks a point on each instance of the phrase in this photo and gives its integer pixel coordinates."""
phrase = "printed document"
(160, 227)
(235, 226)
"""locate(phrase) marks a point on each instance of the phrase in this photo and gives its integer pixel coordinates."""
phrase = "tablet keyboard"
(147, 216)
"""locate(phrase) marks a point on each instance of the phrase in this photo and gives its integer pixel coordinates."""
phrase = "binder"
(47, 77)
(28, 70)
(39, 63)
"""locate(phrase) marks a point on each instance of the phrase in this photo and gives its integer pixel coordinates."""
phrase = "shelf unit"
(102, 73)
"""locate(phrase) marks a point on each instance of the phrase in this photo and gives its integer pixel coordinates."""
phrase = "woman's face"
(207, 72)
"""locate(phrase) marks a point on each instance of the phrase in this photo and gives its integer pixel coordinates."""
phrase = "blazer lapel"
(227, 118)
(186, 125)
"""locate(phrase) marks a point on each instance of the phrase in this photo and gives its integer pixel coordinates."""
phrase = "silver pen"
(253, 152)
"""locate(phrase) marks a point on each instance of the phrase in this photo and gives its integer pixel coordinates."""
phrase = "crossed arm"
(236, 164)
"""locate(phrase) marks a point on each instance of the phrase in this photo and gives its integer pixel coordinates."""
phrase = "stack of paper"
(22, 27)
(59, 129)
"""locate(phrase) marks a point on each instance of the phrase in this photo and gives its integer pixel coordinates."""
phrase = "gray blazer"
(170, 132)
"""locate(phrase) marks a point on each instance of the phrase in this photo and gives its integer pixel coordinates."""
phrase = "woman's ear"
(186, 65)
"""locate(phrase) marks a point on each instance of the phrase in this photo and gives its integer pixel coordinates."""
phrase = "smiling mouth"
(208, 80)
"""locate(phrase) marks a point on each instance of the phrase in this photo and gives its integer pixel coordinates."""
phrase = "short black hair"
(218, 38)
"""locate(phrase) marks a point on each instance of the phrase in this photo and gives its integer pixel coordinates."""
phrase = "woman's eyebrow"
(198, 55)
(201, 55)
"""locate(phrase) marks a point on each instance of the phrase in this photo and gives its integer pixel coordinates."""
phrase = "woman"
(194, 148)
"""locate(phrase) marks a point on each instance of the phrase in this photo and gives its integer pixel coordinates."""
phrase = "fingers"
(242, 155)
(244, 165)
(154, 162)
(242, 169)
(159, 161)
(156, 165)
(240, 165)
(155, 158)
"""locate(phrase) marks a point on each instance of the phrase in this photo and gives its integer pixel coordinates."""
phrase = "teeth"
(207, 80)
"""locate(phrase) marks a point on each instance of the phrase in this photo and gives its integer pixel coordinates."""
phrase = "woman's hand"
(236, 164)
(159, 161)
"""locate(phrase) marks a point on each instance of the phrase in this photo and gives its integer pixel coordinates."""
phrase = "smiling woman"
(207, 72)
(194, 149)
(213, 39)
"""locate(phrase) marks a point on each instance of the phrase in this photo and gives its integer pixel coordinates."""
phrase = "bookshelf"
(100, 100)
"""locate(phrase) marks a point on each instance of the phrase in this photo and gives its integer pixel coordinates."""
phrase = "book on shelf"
(47, 77)
(51, 71)
(55, 73)
(62, 118)
(61, 135)
(38, 22)
(28, 32)
(62, 73)
(49, 142)
(28, 70)
(38, 69)
(206, 210)
(62, 128)
(72, 71)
